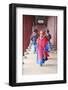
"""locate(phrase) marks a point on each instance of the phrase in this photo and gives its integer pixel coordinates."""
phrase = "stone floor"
(30, 67)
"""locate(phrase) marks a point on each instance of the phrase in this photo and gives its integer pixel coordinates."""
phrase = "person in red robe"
(42, 52)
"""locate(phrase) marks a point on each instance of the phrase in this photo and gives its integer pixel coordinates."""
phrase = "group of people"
(41, 45)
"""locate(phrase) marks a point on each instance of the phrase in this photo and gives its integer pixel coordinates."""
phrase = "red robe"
(41, 52)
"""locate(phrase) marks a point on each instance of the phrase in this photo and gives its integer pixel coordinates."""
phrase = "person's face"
(33, 33)
(41, 34)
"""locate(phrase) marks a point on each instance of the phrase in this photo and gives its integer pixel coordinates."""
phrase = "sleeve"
(46, 45)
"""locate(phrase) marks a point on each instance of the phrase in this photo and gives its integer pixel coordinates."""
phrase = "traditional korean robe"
(34, 44)
(42, 50)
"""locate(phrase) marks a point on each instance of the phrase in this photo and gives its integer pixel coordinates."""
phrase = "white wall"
(4, 47)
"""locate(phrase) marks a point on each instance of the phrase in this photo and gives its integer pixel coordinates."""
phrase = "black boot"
(40, 64)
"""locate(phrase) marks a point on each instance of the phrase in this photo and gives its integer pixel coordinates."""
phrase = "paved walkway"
(30, 67)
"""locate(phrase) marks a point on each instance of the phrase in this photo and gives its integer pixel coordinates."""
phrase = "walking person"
(33, 38)
(42, 54)
(49, 38)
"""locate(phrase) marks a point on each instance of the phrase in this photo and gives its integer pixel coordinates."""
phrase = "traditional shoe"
(40, 64)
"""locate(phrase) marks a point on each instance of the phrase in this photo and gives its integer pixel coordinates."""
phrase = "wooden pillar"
(27, 30)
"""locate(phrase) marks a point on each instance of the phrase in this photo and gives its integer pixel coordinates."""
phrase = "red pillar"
(27, 30)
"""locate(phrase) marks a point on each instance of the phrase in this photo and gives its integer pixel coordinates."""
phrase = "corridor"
(30, 23)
